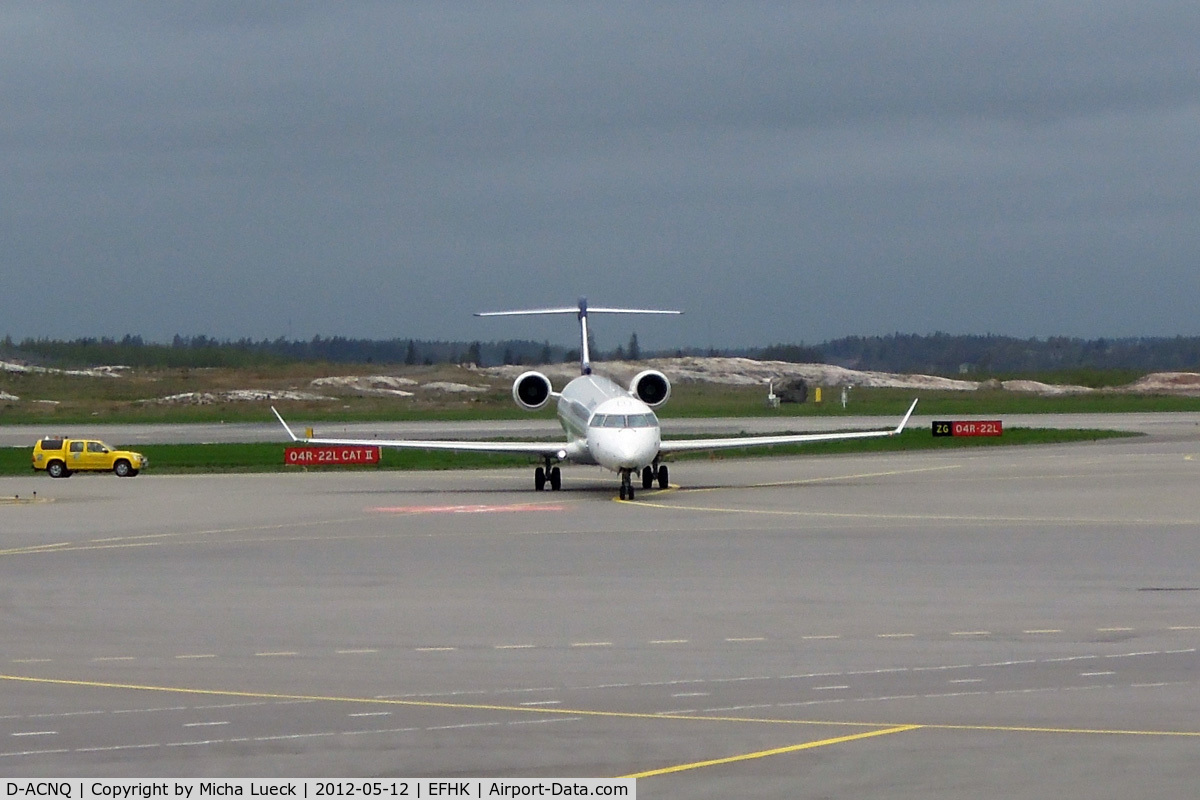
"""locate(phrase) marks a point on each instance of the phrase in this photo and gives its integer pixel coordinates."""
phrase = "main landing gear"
(654, 473)
(547, 473)
(651, 474)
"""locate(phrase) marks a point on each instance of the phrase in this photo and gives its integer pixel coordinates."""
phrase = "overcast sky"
(781, 172)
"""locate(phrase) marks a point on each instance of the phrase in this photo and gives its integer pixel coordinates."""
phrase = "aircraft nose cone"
(624, 449)
(631, 450)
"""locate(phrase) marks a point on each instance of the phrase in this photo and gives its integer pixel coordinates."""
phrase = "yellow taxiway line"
(877, 727)
(777, 751)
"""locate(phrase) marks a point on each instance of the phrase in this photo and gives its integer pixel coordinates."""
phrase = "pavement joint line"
(731, 640)
(678, 681)
(957, 518)
(154, 539)
(825, 479)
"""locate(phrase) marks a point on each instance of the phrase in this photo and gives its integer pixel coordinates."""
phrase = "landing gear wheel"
(555, 478)
(647, 478)
(539, 479)
(662, 476)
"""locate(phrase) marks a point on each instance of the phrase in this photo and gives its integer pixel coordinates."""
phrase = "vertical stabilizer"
(585, 358)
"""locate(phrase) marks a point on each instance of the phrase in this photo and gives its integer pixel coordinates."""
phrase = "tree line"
(205, 351)
(946, 354)
(937, 353)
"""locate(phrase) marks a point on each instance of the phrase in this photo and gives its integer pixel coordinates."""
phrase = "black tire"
(57, 469)
(123, 469)
(539, 479)
(647, 478)
(555, 478)
(662, 477)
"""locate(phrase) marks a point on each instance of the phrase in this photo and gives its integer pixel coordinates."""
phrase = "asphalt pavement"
(1021, 622)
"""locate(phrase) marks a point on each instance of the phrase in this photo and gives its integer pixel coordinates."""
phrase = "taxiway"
(1015, 622)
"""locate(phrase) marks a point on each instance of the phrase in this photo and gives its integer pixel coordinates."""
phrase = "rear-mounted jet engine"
(531, 390)
(651, 387)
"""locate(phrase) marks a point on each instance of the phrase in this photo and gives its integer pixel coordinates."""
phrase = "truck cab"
(60, 456)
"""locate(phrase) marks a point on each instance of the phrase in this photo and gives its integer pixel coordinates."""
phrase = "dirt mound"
(748, 372)
(1185, 383)
(114, 371)
(234, 396)
(376, 385)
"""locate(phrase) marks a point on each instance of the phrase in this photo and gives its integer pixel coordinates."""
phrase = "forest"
(937, 353)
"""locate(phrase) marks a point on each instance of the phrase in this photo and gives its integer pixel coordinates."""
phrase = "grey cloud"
(782, 171)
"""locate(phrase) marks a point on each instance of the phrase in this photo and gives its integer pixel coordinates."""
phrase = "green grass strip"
(177, 459)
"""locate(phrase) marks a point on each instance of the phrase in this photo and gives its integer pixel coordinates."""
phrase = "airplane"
(606, 424)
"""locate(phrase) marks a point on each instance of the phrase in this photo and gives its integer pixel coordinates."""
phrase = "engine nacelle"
(532, 390)
(651, 387)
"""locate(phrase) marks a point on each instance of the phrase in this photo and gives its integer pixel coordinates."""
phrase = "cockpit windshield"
(624, 421)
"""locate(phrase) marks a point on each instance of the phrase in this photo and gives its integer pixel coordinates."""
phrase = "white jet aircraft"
(606, 424)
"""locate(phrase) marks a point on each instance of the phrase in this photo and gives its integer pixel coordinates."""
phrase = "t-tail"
(585, 358)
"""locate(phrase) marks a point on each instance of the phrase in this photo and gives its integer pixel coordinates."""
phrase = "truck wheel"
(122, 469)
(57, 469)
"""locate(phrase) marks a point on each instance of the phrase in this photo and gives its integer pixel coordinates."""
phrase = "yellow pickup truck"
(60, 456)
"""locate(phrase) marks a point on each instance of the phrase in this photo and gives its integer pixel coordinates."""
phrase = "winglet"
(284, 424)
(899, 427)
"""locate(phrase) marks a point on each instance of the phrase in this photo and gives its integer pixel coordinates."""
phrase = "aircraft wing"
(685, 445)
(558, 450)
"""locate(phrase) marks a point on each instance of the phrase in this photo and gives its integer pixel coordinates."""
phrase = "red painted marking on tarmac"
(466, 509)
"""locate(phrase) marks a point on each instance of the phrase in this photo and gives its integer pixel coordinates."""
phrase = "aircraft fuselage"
(606, 425)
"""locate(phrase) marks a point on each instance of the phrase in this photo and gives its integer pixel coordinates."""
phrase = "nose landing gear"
(626, 484)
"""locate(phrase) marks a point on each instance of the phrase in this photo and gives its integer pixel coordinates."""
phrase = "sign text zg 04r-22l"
(993, 427)
(978, 428)
(330, 456)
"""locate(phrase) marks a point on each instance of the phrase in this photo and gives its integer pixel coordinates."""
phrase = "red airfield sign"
(992, 427)
(329, 456)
